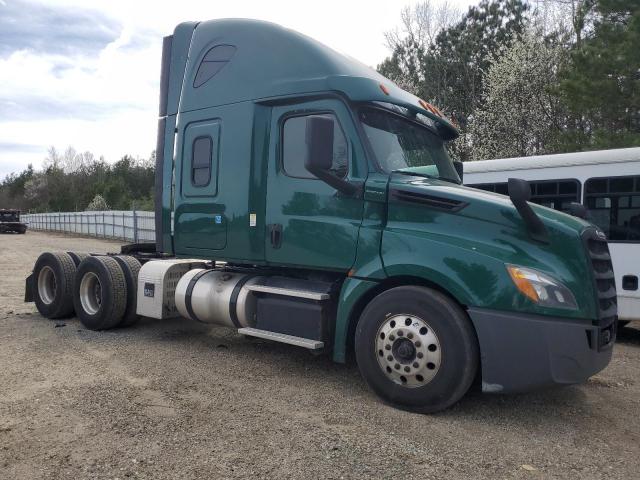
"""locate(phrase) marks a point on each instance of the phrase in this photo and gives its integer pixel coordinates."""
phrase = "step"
(282, 338)
(288, 292)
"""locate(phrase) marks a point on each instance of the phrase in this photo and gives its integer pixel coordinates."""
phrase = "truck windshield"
(404, 146)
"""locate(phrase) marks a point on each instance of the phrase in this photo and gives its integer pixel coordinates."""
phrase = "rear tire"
(99, 293)
(53, 274)
(77, 257)
(130, 267)
(416, 349)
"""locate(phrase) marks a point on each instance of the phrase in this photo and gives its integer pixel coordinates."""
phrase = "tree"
(521, 114)
(97, 204)
(601, 85)
(449, 71)
(72, 180)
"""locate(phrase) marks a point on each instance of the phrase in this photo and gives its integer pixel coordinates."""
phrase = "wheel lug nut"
(419, 355)
(387, 347)
(416, 364)
(409, 335)
(397, 366)
(418, 344)
(392, 338)
(407, 369)
(400, 333)
(390, 358)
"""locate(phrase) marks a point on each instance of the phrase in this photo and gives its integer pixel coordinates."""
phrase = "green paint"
(275, 74)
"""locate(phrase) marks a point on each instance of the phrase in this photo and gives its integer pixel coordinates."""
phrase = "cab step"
(282, 338)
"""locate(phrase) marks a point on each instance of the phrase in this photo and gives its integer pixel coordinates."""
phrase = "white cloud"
(105, 101)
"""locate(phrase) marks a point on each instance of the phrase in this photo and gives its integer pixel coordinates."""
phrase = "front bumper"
(521, 352)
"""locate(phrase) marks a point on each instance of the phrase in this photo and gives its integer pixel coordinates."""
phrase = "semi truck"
(303, 198)
(10, 222)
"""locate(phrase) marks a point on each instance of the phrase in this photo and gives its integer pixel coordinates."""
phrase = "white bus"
(606, 182)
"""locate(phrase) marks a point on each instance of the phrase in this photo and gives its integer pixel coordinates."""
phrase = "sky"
(86, 74)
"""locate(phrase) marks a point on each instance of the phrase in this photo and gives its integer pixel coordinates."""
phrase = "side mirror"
(459, 166)
(578, 210)
(319, 158)
(520, 194)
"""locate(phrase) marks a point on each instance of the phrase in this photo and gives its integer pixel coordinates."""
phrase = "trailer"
(303, 198)
(10, 222)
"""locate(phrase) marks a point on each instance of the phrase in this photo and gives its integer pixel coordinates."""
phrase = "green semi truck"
(303, 198)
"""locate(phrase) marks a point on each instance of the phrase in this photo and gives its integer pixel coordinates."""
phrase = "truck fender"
(357, 292)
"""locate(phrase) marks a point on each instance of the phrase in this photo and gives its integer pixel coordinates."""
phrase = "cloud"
(58, 30)
(72, 76)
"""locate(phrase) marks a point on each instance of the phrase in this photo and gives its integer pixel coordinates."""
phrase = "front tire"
(416, 349)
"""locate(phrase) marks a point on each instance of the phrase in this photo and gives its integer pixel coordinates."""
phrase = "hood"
(486, 230)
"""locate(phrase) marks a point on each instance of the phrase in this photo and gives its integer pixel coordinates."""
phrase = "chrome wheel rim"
(47, 286)
(90, 293)
(408, 350)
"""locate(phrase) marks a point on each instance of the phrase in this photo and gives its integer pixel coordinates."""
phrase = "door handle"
(275, 232)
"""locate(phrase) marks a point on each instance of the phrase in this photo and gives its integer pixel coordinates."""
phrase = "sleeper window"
(201, 165)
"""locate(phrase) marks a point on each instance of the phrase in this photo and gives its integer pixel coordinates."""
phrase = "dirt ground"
(176, 399)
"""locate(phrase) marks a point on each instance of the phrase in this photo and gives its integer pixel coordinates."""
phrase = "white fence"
(132, 225)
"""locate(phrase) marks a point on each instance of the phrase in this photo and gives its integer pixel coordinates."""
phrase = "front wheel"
(416, 349)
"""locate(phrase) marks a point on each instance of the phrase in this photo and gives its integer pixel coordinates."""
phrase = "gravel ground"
(176, 399)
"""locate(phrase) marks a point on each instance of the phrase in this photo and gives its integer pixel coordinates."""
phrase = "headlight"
(541, 288)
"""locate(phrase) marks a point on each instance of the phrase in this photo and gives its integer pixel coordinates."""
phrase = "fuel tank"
(217, 297)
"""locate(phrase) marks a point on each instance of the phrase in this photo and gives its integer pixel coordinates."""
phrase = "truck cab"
(302, 197)
(10, 221)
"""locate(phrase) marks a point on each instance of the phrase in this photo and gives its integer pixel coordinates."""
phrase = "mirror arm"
(520, 193)
(343, 186)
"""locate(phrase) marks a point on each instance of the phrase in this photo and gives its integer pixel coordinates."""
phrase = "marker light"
(384, 89)
(541, 288)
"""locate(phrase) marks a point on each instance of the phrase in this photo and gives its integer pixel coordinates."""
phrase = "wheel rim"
(408, 350)
(47, 286)
(90, 293)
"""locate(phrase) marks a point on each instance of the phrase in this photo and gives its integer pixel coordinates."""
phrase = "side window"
(294, 147)
(614, 204)
(556, 194)
(500, 188)
(201, 163)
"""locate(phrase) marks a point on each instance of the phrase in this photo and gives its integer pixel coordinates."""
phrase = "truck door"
(308, 223)
(201, 228)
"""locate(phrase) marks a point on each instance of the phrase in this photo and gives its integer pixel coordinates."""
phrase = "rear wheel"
(53, 274)
(416, 349)
(130, 267)
(100, 293)
(77, 257)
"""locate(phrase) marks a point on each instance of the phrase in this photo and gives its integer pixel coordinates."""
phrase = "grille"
(604, 285)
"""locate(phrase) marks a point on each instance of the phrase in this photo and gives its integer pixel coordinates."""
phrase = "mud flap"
(29, 288)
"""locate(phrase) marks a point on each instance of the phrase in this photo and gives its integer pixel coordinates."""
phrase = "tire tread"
(133, 265)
